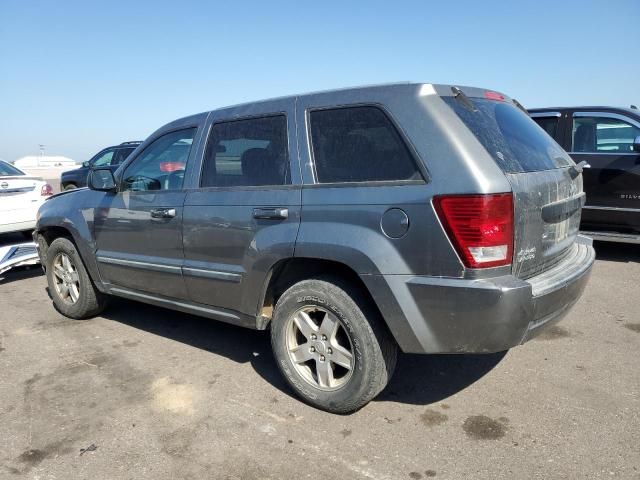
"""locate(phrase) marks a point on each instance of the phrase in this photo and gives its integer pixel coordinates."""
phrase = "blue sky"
(78, 76)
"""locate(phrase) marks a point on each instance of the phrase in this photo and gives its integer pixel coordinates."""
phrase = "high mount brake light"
(489, 95)
(479, 226)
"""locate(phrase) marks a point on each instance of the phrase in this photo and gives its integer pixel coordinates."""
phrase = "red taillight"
(479, 226)
(489, 95)
(46, 190)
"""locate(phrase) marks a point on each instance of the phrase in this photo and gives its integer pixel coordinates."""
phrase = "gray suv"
(351, 224)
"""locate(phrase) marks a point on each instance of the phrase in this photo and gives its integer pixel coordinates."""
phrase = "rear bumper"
(442, 315)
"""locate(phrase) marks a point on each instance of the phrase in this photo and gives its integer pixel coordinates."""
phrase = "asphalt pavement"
(147, 393)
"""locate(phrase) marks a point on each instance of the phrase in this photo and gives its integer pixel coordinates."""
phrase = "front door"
(138, 231)
(244, 216)
(612, 183)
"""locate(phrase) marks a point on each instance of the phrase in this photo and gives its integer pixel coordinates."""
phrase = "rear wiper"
(519, 105)
(576, 169)
(462, 98)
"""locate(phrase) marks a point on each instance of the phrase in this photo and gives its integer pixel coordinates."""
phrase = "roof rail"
(131, 143)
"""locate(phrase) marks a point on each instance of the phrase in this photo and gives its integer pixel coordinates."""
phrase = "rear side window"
(358, 144)
(549, 125)
(7, 169)
(509, 135)
(251, 152)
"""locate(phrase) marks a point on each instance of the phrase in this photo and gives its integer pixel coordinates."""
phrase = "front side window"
(549, 125)
(358, 144)
(103, 159)
(251, 152)
(161, 165)
(603, 135)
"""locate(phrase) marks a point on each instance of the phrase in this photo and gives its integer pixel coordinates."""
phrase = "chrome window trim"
(617, 116)
(545, 114)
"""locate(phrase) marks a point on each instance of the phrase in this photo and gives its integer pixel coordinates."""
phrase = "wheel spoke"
(305, 324)
(66, 263)
(64, 290)
(58, 271)
(74, 293)
(341, 356)
(74, 277)
(329, 325)
(301, 353)
(325, 374)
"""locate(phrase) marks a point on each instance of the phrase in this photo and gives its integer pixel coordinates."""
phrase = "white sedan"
(20, 198)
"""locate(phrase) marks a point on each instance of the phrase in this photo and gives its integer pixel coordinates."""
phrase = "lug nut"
(313, 336)
(312, 349)
(329, 351)
(322, 358)
(324, 337)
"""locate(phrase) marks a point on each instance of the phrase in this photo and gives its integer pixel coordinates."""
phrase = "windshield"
(511, 137)
(6, 169)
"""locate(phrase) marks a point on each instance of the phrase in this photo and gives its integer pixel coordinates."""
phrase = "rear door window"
(121, 155)
(603, 135)
(250, 152)
(359, 144)
(512, 138)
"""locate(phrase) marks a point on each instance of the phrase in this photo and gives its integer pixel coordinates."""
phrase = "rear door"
(244, 215)
(605, 141)
(547, 191)
(138, 231)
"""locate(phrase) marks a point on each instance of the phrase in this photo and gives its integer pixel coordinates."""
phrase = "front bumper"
(443, 315)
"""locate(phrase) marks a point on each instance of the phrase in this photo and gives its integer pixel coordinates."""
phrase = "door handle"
(163, 213)
(278, 213)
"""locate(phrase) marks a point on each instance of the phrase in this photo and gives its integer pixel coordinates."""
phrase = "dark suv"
(352, 223)
(608, 140)
(110, 157)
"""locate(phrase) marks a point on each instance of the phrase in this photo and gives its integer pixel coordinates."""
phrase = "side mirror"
(102, 180)
(86, 164)
(636, 144)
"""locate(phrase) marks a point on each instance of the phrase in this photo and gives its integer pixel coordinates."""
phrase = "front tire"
(71, 186)
(331, 345)
(71, 288)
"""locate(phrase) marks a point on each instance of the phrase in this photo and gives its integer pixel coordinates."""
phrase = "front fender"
(73, 211)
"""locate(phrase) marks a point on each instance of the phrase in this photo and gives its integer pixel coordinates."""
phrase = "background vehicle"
(608, 139)
(334, 219)
(110, 157)
(20, 198)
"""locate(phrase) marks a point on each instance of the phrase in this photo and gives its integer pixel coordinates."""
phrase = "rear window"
(6, 169)
(511, 137)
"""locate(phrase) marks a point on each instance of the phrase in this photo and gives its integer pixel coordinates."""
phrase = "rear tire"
(71, 289)
(331, 345)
